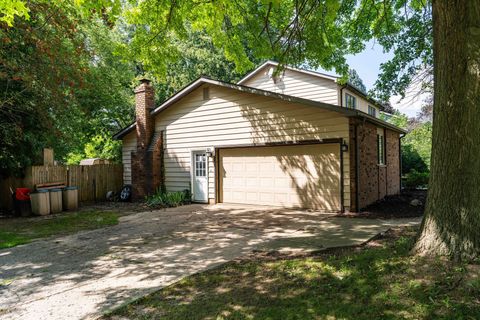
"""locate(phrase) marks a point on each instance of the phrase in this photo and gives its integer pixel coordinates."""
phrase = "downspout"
(342, 208)
(400, 159)
(341, 95)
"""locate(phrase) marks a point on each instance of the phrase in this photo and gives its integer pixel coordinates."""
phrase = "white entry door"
(200, 178)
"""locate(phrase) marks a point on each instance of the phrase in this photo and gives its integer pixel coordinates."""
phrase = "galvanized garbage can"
(40, 201)
(56, 200)
(70, 198)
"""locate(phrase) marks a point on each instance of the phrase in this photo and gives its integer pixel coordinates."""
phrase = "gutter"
(400, 158)
(377, 121)
(341, 95)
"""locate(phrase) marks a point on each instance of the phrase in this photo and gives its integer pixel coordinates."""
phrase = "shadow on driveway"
(82, 275)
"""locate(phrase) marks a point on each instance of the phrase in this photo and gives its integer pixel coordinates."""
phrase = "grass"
(14, 232)
(379, 281)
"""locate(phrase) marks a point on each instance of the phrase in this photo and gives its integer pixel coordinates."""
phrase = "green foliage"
(67, 77)
(9, 9)
(398, 119)
(168, 199)
(100, 146)
(355, 80)
(411, 160)
(241, 29)
(61, 85)
(317, 33)
(416, 144)
(415, 180)
(198, 57)
(420, 140)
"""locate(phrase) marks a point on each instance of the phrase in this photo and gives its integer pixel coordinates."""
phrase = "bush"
(412, 161)
(416, 180)
(168, 199)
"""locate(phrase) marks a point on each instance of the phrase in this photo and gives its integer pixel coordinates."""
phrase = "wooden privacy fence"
(93, 181)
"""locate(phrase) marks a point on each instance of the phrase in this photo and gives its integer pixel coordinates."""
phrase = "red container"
(22, 194)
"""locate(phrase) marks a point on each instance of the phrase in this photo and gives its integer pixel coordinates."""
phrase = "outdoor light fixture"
(344, 147)
(210, 152)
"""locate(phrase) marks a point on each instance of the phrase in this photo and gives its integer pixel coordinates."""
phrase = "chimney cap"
(144, 80)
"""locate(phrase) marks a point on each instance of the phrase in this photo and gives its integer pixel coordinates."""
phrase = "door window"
(200, 165)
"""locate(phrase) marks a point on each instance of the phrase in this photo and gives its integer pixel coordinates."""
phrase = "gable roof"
(276, 64)
(315, 74)
(205, 80)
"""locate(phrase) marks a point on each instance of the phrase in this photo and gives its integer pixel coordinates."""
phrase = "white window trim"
(383, 157)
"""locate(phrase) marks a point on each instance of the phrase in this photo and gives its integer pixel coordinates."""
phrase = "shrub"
(167, 199)
(416, 180)
(411, 160)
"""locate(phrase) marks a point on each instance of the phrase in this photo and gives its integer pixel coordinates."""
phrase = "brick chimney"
(145, 126)
(144, 103)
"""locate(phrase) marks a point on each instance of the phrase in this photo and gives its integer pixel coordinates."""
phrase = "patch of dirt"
(391, 207)
(121, 207)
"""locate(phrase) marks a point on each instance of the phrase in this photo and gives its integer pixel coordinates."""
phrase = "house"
(296, 138)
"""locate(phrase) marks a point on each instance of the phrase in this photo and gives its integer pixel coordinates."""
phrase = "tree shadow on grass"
(381, 283)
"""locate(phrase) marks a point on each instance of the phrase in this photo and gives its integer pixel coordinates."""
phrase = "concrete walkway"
(83, 275)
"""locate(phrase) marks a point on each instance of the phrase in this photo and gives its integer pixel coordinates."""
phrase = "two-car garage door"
(305, 176)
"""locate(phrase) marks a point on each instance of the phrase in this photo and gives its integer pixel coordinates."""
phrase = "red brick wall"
(374, 181)
(368, 168)
(393, 162)
(353, 166)
(157, 165)
(141, 159)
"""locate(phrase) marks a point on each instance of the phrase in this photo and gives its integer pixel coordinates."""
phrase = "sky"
(367, 65)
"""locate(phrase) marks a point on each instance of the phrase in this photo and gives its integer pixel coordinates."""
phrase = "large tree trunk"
(451, 225)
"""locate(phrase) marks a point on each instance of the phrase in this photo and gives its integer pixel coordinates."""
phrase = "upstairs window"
(350, 101)
(372, 111)
(381, 148)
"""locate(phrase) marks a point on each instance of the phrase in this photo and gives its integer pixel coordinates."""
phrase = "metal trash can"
(40, 201)
(70, 198)
(56, 200)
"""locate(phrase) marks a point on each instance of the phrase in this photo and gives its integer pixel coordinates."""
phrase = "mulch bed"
(392, 207)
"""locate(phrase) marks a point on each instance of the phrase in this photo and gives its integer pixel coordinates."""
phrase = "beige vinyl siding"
(297, 84)
(362, 103)
(129, 144)
(231, 118)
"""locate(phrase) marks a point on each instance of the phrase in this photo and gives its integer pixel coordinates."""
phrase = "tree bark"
(451, 225)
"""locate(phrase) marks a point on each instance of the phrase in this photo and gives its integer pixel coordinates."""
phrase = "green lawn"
(18, 231)
(379, 281)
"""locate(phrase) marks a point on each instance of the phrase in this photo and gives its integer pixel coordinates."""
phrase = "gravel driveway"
(83, 275)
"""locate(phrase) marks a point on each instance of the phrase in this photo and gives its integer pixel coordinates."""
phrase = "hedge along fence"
(93, 181)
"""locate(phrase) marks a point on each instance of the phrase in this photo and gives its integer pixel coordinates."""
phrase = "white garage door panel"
(306, 176)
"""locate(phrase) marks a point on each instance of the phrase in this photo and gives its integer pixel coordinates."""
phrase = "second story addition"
(310, 85)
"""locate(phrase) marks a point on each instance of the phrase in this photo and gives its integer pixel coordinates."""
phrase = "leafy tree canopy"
(355, 80)
(66, 85)
(319, 33)
(417, 144)
(60, 84)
